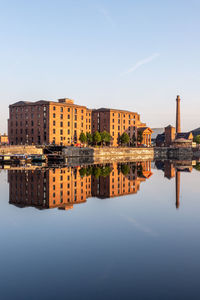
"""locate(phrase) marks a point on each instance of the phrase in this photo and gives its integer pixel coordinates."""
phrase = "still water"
(120, 231)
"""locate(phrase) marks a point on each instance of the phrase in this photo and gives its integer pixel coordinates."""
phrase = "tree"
(105, 137)
(105, 171)
(96, 172)
(125, 169)
(124, 138)
(140, 137)
(82, 172)
(96, 137)
(197, 139)
(83, 138)
(89, 138)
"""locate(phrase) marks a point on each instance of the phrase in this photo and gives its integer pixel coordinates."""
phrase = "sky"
(132, 55)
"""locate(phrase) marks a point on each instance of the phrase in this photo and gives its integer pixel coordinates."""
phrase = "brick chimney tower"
(178, 115)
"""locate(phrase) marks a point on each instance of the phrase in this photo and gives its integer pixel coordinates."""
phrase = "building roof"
(113, 109)
(169, 126)
(41, 102)
(142, 129)
(184, 135)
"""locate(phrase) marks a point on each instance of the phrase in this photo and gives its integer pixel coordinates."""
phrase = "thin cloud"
(141, 63)
(139, 226)
(105, 13)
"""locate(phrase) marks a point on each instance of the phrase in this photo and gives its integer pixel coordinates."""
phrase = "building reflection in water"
(173, 169)
(64, 187)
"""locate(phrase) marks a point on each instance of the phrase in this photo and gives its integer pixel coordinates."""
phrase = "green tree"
(140, 137)
(105, 137)
(96, 172)
(96, 137)
(105, 171)
(125, 169)
(82, 172)
(197, 139)
(124, 138)
(89, 138)
(89, 171)
(83, 138)
(197, 167)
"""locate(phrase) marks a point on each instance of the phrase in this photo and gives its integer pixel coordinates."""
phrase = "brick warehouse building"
(60, 123)
(47, 122)
(116, 122)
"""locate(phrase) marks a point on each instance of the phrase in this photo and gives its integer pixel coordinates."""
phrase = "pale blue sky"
(135, 55)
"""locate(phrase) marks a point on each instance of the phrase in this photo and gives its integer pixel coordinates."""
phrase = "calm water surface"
(116, 232)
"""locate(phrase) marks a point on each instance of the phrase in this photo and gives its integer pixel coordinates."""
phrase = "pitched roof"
(144, 128)
(184, 135)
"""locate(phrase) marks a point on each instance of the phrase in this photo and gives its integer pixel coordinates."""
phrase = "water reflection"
(63, 187)
(173, 169)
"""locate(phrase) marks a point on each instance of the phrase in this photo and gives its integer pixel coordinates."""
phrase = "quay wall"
(110, 154)
(20, 150)
(173, 153)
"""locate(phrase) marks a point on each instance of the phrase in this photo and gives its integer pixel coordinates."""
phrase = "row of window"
(32, 109)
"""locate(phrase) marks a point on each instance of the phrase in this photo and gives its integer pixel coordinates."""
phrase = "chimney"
(178, 175)
(178, 115)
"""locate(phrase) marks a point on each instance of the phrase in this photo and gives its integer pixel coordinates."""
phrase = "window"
(75, 111)
(75, 125)
(61, 109)
(61, 131)
(68, 123)
(54, 123)
(54, 115)
(61, 116)
(61, 124)
(68, 109)
(68, 131)
(82, 111)
(54, 131)
(54, 108)
(68, 117)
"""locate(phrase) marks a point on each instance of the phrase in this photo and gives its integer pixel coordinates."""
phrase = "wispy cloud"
(141, 63)
(105, 13)
(139, 226)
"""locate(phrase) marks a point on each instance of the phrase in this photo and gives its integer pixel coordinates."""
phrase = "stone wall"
(20, 150)
(111, 153)
(173, 153)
